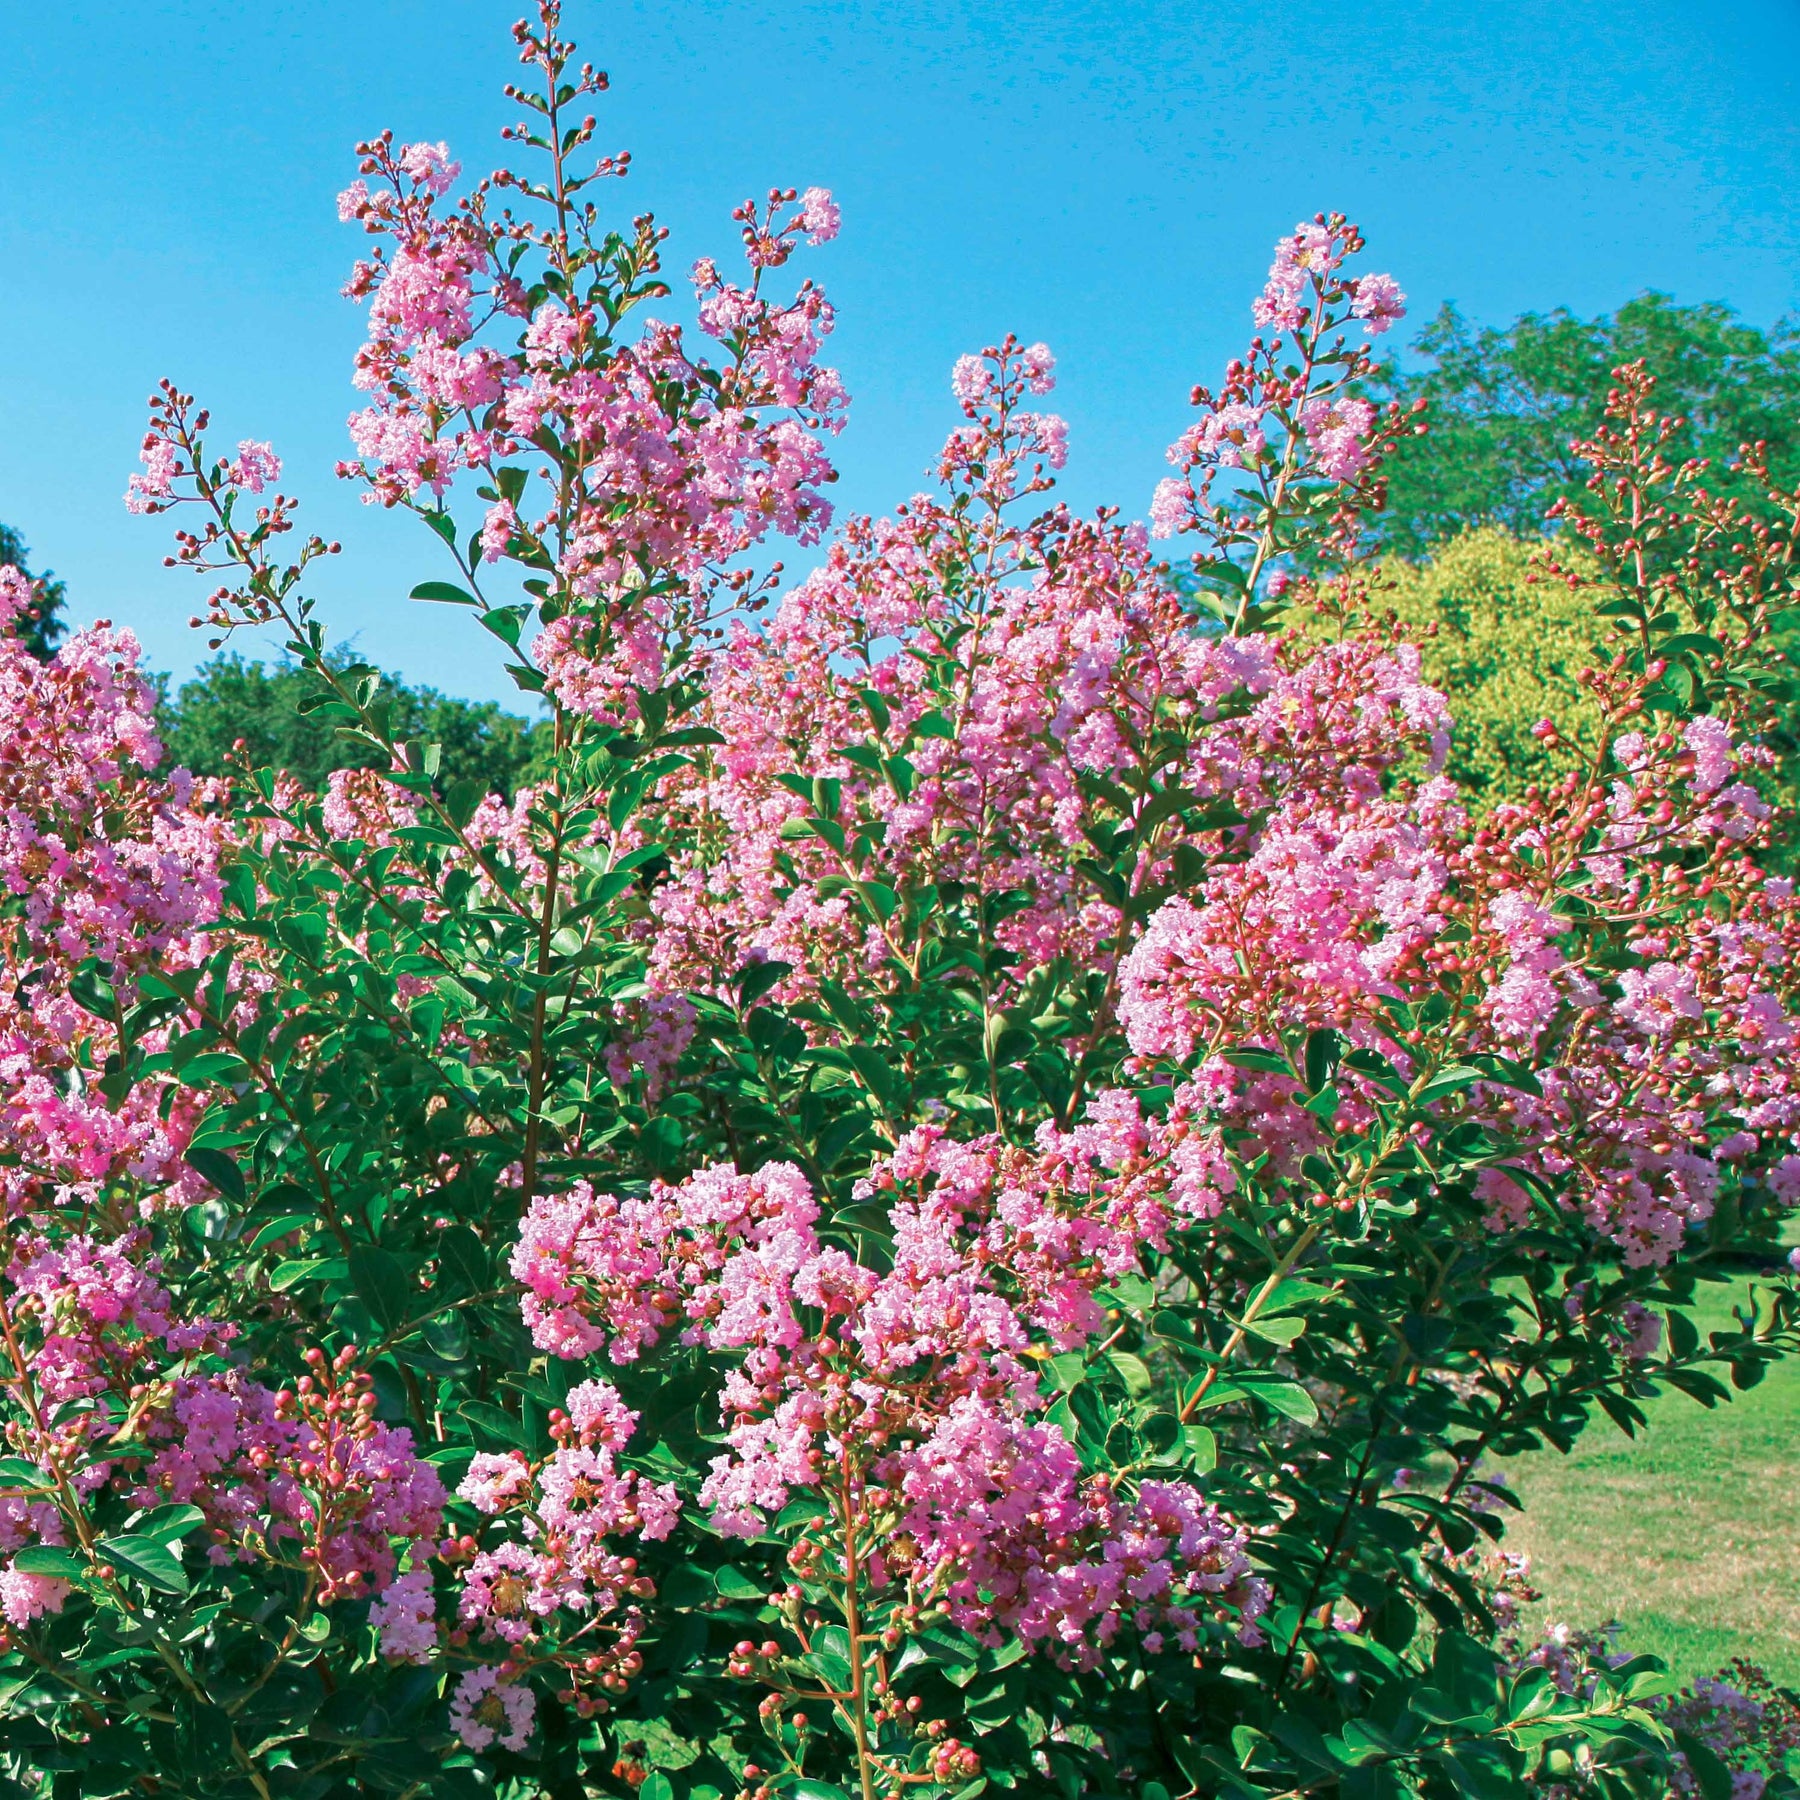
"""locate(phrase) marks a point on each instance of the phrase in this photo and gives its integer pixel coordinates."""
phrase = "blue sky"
(1108, 177)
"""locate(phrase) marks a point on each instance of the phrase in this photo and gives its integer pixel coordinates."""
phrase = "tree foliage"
(268, 711)
(1505, 405)
(1509, 641)
(42, 628)
(1508, 644)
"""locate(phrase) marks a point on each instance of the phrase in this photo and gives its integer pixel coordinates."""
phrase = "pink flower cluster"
(101, 863)
(910, 1393)
(675, 465)
(895, 726)
(304, 1476)
(1285, 418)
(1683, 1062)
(545, 1577)
(486, 1709)
(1306, 276)
(958, 726)
(99, 1313)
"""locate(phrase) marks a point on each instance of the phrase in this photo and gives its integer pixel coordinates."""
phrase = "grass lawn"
(1689, 1535)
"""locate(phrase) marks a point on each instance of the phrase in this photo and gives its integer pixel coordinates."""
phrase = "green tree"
(42, 632)
(1503, 405)
(233, 700)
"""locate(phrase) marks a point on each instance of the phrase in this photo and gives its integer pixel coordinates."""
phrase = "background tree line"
(234, 701)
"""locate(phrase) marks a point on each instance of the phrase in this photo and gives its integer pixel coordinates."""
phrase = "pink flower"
(162, 461)
(971, 380)
(1171, 508)
(1045, 435)
(256, 466)
(1378, 303)
(1304, 263)
(484, 1711)
(497, 530)
(1229, 437)
(1710, 741)
(819, 215)
(1658, 998)
(26, 1597)
(1336, 430)
(17, 596)
(599, 1415)
(494, 1481)
(405, 1616)
(430, 166)
(552, 335)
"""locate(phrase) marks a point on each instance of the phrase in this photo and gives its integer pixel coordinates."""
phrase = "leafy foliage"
(1508, 645)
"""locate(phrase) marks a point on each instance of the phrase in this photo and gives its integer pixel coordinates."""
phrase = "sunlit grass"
(1688, 1535)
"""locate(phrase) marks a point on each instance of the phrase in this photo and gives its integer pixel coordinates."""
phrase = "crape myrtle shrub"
(956, 1198)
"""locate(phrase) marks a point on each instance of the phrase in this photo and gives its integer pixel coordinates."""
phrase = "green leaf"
(50, 1559)
(1288, 1398)
(881, 899)
(12, 1689)
(446, 592)
(1132, 1371)
(1275, 1331)
(1324, 1049)
(758, 978)
(149, 1559)
(1293, 1296)
(381, 1284)
(277, 1229)
(218, 1168)
(462, 1262)
(92, 992)
(1709, 1772)
(495, 1422)
(165, 1524)
(734, 1584)
(1450, 1080)
(505, 622)
(877, 1076)
(306, 1268)
(463, 798)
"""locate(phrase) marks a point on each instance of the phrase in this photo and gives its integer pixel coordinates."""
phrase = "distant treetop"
(1504, 403)
(231, 699)
(45, 631)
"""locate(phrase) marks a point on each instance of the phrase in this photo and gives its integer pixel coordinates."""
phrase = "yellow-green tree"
(1505, 648)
